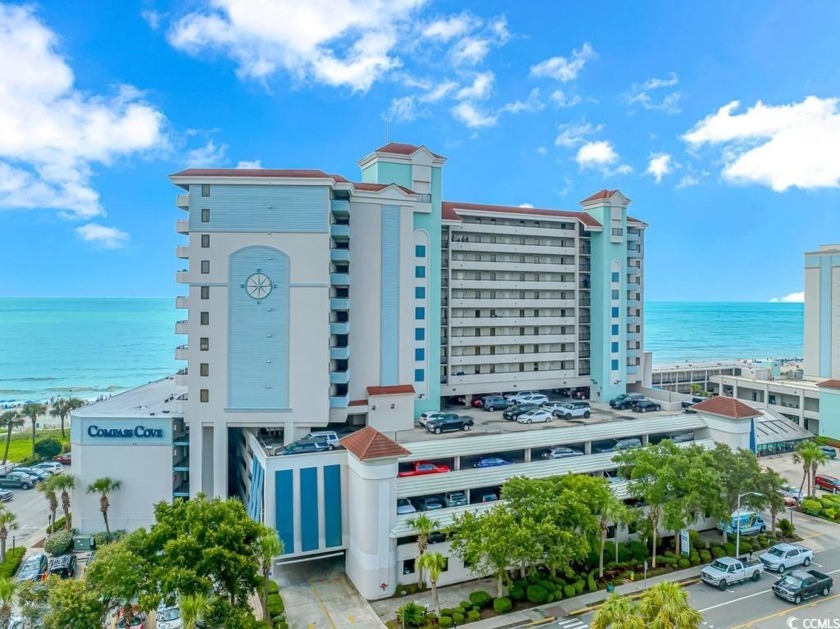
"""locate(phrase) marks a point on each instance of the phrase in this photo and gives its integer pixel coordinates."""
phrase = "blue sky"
(719, 119)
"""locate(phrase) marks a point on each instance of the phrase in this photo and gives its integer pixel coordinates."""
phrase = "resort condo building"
(822, 312)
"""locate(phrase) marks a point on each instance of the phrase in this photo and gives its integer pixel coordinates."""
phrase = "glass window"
(205, 318)
(420, 271)
(420, 251)
(204, 395)
(614, 365)
(419, 375)
(615, 312)
(205, 241)
(419, 353)
(204, 344)
(420, 292)
(419, 334)
(205, 189)
(205, 369)
(615, 347)
(205, 266)
(419, 313)
(205, 215)
(615, 329)
(615, 276)
(615, 293)
(205, 292)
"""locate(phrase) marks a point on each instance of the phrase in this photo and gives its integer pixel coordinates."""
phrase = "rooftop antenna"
(386, 118)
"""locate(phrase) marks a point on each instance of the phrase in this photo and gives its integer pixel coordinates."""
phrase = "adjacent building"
(822, 312)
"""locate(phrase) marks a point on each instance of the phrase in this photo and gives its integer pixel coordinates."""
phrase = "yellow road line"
(321, 603)
(784, 612)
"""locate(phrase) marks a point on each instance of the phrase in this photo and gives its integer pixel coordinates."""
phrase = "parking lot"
(32, 511)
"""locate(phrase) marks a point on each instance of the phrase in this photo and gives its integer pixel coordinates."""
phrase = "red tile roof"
(603, 194)
(368, 443)
(256, 172)
(391, 390)
(398, 148)
(829, 384)
(449, 211)
(357, 403)
(376, 187)
(726, 407)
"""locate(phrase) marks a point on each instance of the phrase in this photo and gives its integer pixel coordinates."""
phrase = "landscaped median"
(826, 507)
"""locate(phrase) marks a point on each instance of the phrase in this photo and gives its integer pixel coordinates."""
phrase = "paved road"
(30, 507)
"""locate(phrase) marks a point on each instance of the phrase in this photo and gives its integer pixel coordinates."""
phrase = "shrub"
(445, 621)
(13, 558)
(568, 591)
(447, 611)
(694, 559)
(746, 546)
(501, 605)
(275, 605)
(481, 599)
(281, 624)
(624, 553)
(273, 588)
(102, 538)
(458, 618)
(810, 506)
(459, 610)
(473, 615)
(46, 449)
(579, 586)
(59, 543)
(638, 551)
(829, 513)
(411, 614)
(718, 552)
(591, 584)
(705, 556)
(536, 594)
(729, 547)
(57, 525)
(516, 592)
(693, 539)
(533, 578)
(465, 605)
(685, 562)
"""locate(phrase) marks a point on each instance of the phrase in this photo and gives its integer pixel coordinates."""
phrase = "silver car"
(573, 409)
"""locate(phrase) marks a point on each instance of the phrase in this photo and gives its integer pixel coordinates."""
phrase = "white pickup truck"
(784, 556)
(726, 571)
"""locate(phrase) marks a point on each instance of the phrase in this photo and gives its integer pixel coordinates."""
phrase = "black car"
(16, 480)
(626, 400)
(519, 409)
(646, 406)
(686, 406)
(429, 503)
(495, 403)
(449, 423)
(305, 447)
(63, 566)
(33, 568)
(799, 585)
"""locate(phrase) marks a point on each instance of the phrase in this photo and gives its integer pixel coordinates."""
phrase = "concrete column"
(291, 432)
(645, 440)
(196, 458)
(528, 455)
(587, 447)
(220, 461)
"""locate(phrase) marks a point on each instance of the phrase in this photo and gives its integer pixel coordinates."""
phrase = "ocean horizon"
(89, 347)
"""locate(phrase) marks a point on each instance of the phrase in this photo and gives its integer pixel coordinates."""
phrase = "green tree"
(8, 522)
(423, 526)
(63, 407)
(65, 483)
(73, 604)
(665, 606)
(737, 473)
(47, 449)
(809, 455)
(194, 607)
(32, 600)
(270, 546)
(771, 484)
(104, 487)
(619, 612)
(9, 420)
(435, 563)
(47, 488)
(33, 410)
(8, 590)
(121, 574)
(613, 511)
(485, 543)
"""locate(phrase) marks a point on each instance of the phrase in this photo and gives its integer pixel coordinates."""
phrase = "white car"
(52, 467)
(517, 398)
(405, 507)
(425, 417)
(168, 618)
(534, 416)
(330, 437)
(529, 398)
(784, 556)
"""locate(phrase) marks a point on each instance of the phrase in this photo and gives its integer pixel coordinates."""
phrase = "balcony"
(181, 326)
(181, 465)
(634, 252)
(339, 353)
(497, 322)
(340, 279)
(182, 226)
(492, 302)
(340, 303)
(632, 269)
(181, 379)
(339, 329)
(501, 377)
(339, 401)
(181, 302)
(340, 255)
(183, 201)
(339, 377)
(182, 276)
(518, 339)
(182, 252)
(497, 359)
(181, 352)
(487, 265)
(633, 235)
(513, 285)
(499, 247)
(339, 232)
(514, 230)
(340, 207)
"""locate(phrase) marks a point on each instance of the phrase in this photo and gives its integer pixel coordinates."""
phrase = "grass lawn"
(21, 445)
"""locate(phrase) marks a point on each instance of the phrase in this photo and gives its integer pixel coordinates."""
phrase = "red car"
(64, 459)
(829, 483)
(420, 468)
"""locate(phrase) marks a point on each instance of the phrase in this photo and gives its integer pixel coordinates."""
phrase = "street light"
(738, 520)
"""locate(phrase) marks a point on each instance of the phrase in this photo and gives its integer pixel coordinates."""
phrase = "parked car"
(40, 475)
(681, 437)
(455, 498)
(168, 618)
(534, 416)
(727, 571)
(496, 403)
(520, 396)
(488, 496)
(614, 445)
(553, 405)
(789, 500)
(421, 468)
(625, 400)
(17, 480)
(516, 411)
(793, 492)
(63, 566)
(425, 417)
(429, 503)
(64, 459)
(828, 483)
(830, 452)
(534, 398)
(5, 495)
(686, 406)
(33, 568)
(449, 423)
(646, 406)
(781, 557)
(573, 409)
(404, 506)
(799, 585)
(561, 452)
(749, 522)
(53, 467)
(304, 447)
(491, 461)
(330, 437)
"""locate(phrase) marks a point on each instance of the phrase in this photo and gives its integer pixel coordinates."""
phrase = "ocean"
(99, 346)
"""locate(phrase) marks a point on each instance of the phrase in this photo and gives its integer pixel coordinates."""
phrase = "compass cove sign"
(123, 433)
(128, 432)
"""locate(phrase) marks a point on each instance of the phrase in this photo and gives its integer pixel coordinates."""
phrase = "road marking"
(572, 624)
(786, 611)
(321, 602)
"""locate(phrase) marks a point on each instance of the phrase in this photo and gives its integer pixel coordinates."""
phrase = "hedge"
(273, 588)
(811, 506)
(481, 599)
(458, 618)
(500, 606)
(59, 543)
(536, 594)
(57, 525)
(13, 558)
(568, 591)
(275, 605)
(466, 605)
(445, 621)
(473, 615)
(516, 592)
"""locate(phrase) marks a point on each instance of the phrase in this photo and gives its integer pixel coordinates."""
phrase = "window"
(614, 347)
(204, 395)
(205, 241)
(419, 292)
(205, 215)
(615, 276)
(419, 334)
(419, 375)
(205, 292)
(419, 313)
(408, 566)
(204, 369)
(205, 266)
(617, 231)
(205, 189)
(420, 251)
(419, 353)
(205, 318)
(615, 329)
(615, 294)
(614, 365)
(204, 344)
(420, 272)
(615, 312)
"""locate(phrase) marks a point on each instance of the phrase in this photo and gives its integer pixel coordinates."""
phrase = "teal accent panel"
(812, 262)
(830, 413)
(825, 317)
(399, 174)
(309, 508)
(258, 332)
(255, 497)
(248, 208)
(332, 506)
(390, 314)
(285, 510)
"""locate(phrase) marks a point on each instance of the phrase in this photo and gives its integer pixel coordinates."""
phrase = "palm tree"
(63, 407)
(104, 486)
(9, 420)
(193, 609)
(616, 512)
(820, 458)
(435, 563)
(33, 410)
(48, 489)
(8, 588)
(64, 483)
(665, 606)
(809, 455)
(424, 526)
(270, 546)
(8, 522)
(619, 612)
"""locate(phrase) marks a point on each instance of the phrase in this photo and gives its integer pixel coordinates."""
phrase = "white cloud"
(561, 99)
(541, 150)
(574, 133)
(256, 164)
(601, 155)
(526, 205)
(54, 134)
(481, 88)
(450, 27)
(790, 298)
(783, 146)
(105, 237)
(688, 181)
(530, 105)
(470, 115)
(470, 50)
(403, 109)
(649, 94)
(564, 69)
(659, 165)
(152, 18)
(208, 155)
